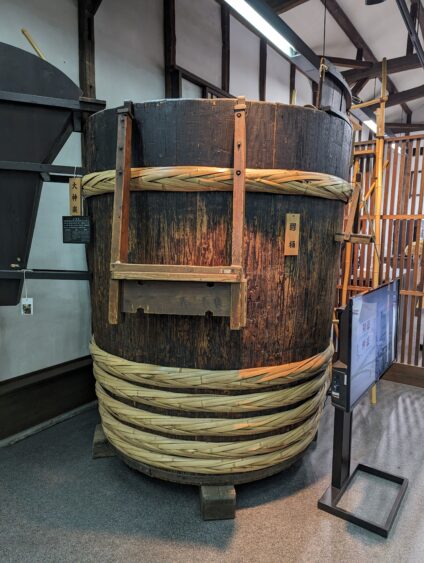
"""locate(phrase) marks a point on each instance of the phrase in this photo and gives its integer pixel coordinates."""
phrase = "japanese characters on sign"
(291, 241)
(75, 202)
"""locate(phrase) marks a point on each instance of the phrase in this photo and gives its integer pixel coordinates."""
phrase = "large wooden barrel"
(289, 298)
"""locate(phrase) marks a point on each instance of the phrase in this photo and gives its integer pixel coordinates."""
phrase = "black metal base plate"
(332, 496)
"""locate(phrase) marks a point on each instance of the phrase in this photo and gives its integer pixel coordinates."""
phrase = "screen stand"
(341, 478)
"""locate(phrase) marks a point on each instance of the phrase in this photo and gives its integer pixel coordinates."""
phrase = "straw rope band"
(179, 441)
(187, 378)
(208, 178)
(208, 402)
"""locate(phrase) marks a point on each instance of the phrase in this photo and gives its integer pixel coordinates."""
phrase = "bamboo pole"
(379, 166)
(33, 44)
(348, 249)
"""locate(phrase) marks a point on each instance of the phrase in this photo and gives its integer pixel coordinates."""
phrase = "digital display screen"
(374, 319)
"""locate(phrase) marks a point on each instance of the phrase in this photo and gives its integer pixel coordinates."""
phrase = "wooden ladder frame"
(232, 275)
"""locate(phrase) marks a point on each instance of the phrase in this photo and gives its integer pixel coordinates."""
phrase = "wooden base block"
(217, 502)
(101, 446)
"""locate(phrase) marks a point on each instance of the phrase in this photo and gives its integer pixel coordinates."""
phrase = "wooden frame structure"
(232, 277)
(401, 221)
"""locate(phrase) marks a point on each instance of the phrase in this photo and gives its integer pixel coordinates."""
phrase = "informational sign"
(291, 240)
(374, 318)
(76, 229)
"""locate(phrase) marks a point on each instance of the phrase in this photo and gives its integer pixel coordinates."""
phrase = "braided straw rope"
(206, 465)
(203, 449)
(252, 378)
(204, 426)
(208, 178)
(179, 441)
(208, 402)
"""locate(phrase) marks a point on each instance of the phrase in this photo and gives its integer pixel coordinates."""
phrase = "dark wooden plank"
(31, 399)
(263, 47)
(170, 47)
(409, 375)
(177, 298)
(398, 64)
(225, 52)
(281, 6)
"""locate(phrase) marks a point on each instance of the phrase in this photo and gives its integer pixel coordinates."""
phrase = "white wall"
(198, 33)
(129, 65)
(129, 51)
(277, 78)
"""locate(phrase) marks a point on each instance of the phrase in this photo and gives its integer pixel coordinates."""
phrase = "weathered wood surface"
(289, 299)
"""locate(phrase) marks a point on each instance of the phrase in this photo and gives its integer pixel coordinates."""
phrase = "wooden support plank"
(238, 292)
(239, 190)
(177, 298)
(217, 502)
(225, 52)
(363, 152)
(167, 272)
(101, 446)
(120, 217)
(262, 68)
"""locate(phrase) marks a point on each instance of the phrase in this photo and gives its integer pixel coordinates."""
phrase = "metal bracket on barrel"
(189, 290)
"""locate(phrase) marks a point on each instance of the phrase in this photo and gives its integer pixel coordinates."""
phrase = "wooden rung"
(364, 152)
(167, 272)
(355, 238)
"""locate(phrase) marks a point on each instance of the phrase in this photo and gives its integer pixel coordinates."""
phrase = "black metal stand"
(341, 478)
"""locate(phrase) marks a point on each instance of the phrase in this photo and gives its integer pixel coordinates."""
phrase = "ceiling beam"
(281, 6)
(420, 11)
(403, 97)
(349, 63)
(399, 64)
(356, 38)
(410, 26)
(413, 13)
(405, 127)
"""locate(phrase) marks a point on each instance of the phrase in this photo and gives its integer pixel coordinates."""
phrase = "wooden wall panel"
(402, 229)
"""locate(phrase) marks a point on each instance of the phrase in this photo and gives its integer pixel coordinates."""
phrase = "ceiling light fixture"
(258, 22)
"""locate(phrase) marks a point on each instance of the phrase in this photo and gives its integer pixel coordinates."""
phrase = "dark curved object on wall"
(29, 133)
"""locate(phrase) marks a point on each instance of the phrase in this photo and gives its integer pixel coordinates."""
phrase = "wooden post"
(262, 69)
(238, 291)
(172, 76)
(379, 166)
(225, 55)
(87, 74)
(120, 218)
(292, 84)
(349, 225)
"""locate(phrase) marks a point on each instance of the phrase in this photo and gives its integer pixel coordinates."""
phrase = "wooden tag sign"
(291, 240)
(75, 201)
